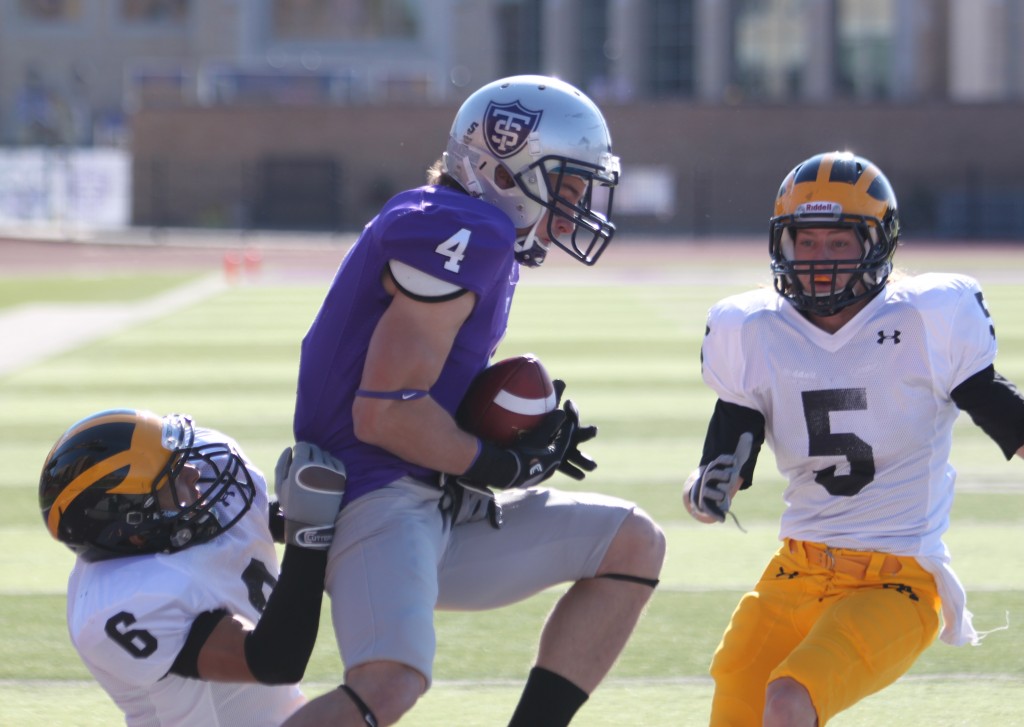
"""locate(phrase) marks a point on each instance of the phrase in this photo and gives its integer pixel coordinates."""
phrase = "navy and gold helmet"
(837, 190)
(115, 485)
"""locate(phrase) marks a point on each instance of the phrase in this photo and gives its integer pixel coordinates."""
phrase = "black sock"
(548, 700)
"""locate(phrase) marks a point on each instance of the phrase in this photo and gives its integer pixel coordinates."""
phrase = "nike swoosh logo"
(408, 395)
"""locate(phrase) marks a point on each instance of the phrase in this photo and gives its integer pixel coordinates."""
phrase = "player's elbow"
(268, 665)
(369, 420)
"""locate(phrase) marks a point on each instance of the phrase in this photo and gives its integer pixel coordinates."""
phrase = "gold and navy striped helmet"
(834, 190)
(113, 485)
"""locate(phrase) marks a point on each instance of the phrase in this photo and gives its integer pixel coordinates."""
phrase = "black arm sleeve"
(728, 422)
(278, 649)
(996, 406)
(187, 662)
(276, 521)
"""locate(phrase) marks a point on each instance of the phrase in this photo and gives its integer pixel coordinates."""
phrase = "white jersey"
(860, 421)
(129, 617)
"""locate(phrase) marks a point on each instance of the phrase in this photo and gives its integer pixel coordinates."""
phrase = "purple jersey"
(442, 232)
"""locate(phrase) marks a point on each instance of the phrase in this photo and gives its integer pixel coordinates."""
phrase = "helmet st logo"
(507, 127)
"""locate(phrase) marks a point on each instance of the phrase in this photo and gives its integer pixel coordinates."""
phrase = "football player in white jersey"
(854, 377)
(175, 563)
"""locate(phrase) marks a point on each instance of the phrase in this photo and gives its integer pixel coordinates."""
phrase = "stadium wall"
(956, 168)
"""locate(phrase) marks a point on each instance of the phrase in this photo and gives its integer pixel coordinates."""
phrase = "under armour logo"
(900, 588)
(507, 127)
(784, 574)
(882, 338)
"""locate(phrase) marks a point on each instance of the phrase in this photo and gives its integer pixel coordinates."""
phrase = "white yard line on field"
(35, 332)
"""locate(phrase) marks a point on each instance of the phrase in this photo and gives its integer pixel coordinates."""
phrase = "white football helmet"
(512, 144)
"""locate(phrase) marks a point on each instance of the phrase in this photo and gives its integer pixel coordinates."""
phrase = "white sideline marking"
(37, 331)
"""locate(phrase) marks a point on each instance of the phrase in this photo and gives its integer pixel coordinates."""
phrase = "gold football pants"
(843, 623)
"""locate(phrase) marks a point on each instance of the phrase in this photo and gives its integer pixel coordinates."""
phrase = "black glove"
(532, 459)
(575, 461)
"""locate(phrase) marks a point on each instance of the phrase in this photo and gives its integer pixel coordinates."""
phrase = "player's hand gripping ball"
(507, 398)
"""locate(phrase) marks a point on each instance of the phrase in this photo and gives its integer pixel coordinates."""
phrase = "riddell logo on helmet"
(832, 210)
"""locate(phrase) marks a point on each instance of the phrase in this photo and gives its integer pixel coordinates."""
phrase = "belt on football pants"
(852, 564)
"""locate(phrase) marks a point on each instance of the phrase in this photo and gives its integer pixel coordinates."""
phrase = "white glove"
(309, 484)
(710, 488)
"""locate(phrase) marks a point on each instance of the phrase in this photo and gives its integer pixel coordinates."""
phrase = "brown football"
(507, 398)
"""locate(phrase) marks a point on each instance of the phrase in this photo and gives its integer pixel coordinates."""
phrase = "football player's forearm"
(225, 648)
(420, 432)
(278, 649)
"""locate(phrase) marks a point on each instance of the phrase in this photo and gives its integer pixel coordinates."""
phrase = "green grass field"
(627, 343)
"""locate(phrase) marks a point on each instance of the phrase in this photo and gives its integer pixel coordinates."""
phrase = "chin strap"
(529, 251)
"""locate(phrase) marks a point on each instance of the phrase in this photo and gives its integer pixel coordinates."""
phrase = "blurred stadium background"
(179, 179)
(307, 114)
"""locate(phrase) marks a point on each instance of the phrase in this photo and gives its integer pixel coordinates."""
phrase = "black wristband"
(493, 466)
(278, 649)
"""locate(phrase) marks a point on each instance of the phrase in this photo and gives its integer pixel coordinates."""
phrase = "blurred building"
(101, 72)
(70, 70)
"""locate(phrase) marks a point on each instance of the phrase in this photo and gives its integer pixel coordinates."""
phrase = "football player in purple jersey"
(416, 310)
(855, 377)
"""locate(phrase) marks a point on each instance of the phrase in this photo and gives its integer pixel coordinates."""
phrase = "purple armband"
(400, 395)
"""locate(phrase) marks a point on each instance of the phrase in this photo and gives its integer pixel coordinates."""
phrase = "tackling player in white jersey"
(176, 563)
(855, 379)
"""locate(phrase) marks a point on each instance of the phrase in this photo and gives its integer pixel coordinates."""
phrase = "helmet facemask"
(589, 212)
(218, 499)
(866, 273)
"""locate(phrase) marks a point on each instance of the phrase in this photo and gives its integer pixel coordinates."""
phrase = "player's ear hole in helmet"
(540, 131)
(834, 190)
(128, 482)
